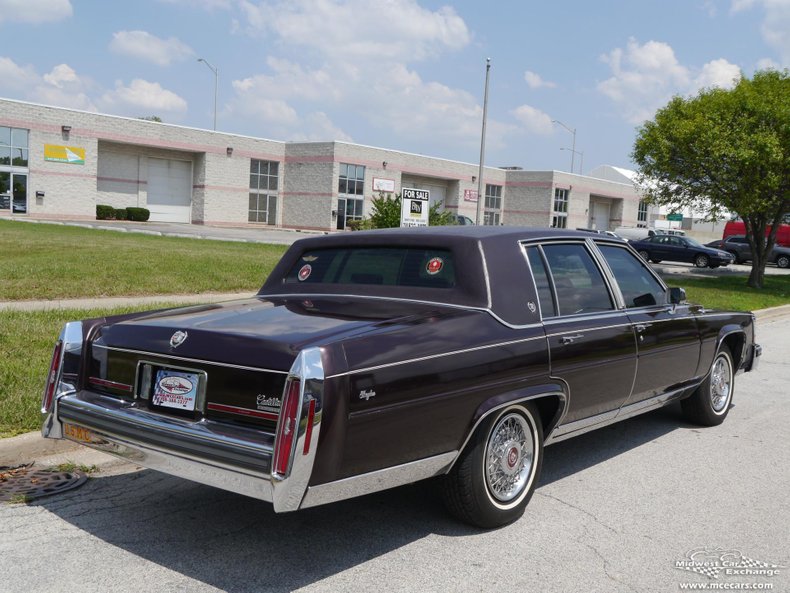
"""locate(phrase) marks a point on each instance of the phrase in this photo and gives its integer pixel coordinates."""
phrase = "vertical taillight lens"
(52, 377)
(287, 427)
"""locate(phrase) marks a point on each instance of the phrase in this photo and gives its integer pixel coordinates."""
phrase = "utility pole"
(480, 186)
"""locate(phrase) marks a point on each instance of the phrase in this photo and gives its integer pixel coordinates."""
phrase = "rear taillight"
(53, 377)
(287, 427)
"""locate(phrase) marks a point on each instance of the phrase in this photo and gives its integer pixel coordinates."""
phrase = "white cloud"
(768, 64)
(209, 5)
(644, 77)
(62, 86)
(718, 73)
(396, 29)
(775, 28)
(34, 11)
(143, 45)
(534, 120)
(143, 95)
(61, 76)
(16, 77)
(536, 82)
(366, 76)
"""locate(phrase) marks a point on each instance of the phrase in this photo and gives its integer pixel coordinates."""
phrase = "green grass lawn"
(26, 342)
(727, 292)
(42, 261)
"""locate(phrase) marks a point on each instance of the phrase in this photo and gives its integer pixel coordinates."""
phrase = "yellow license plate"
(77, 433)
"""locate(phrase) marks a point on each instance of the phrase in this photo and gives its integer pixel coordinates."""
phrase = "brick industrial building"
(61, 163)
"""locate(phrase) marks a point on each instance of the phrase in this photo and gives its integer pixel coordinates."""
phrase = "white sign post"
(414, 206)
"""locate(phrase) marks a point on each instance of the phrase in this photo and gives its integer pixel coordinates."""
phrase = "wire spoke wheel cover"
(509, 458)
(720, 384)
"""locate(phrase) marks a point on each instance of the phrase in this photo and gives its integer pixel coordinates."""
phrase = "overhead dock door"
(170, 190)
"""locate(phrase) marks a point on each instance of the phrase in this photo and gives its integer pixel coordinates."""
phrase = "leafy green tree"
(437, 217)
(386, 211)
(155, 118)
(724, 150)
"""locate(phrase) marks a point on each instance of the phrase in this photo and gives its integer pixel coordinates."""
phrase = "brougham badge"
(178, 338)
(367, 394)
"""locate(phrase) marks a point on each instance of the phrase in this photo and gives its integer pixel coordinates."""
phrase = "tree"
(385, 213)
(724, 150)
(154, 118)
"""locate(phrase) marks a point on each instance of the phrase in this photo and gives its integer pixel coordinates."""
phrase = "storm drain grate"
(22, 484)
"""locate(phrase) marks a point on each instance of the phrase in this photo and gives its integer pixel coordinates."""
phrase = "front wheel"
(710, 403)
(495, 476)
(783, 261)
(701, 261)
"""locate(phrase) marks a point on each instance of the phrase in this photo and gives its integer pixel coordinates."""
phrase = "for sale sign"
(414, 206)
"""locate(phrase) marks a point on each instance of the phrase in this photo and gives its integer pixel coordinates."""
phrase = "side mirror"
(677, 296)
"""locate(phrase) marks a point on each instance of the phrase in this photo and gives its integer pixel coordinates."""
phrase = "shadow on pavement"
(240, 545)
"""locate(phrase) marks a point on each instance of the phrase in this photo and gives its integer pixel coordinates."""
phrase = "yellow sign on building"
(64, 154)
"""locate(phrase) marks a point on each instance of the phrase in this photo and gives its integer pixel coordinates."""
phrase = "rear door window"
(579, 284)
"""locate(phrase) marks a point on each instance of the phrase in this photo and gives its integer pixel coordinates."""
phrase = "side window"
(541, 276)
(638, 285)
(580, 287)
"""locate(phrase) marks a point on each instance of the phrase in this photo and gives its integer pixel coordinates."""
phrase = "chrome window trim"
(192, 360)
(486, 277)
(303, 296)
(432, 356)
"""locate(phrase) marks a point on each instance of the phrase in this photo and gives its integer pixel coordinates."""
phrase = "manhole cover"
(24, 483)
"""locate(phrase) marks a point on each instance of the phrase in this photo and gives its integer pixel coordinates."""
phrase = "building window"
(263, 191)
(351, 192)
(492, 214)
(641, 216)
(559, 217)
(13, 147)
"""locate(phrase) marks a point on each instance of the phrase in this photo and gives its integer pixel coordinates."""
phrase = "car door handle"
(640, 327)
(570, 339)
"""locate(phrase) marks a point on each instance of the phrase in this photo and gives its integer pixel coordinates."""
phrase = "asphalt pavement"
(619, 509)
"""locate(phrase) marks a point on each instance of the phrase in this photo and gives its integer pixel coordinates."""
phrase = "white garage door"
(170, 190)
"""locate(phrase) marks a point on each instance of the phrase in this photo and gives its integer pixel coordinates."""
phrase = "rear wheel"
(783, 261)
(644, 255)
(493, 480)
(710, 403)
(701, 260)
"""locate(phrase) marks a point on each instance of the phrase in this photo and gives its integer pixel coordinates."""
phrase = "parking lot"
(615, 511)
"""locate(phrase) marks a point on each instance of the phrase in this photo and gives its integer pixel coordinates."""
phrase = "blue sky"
(401, 74)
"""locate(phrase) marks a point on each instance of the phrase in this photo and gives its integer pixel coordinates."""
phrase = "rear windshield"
(387, 266)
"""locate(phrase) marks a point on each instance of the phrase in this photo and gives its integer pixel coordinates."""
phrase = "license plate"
(77, 433)
(175, 389)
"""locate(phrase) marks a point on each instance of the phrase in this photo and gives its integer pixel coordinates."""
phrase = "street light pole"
(480, 197)
(581, 156)
(216, 80)
(572, 131)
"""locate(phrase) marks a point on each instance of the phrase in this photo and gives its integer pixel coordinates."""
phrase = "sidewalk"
(133, 301)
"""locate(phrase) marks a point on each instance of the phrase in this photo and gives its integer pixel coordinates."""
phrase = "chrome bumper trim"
(196, 470)
(376, 481)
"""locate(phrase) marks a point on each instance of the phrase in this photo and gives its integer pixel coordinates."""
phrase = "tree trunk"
(755, 233)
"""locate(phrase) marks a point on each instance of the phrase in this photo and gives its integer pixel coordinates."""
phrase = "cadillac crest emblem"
(178, 338)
